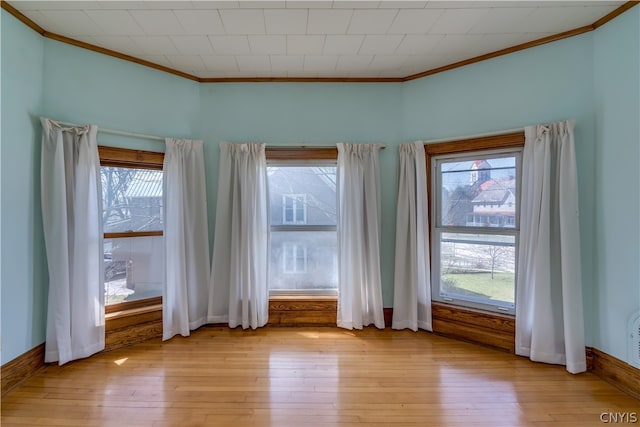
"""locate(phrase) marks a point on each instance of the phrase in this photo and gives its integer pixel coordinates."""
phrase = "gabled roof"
(147, 183)
(495, 191)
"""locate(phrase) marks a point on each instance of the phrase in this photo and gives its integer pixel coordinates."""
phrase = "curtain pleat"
(238, 292)
(549, 314)
(186, 238)
(71, 211)
(412, 283)
(359, 284)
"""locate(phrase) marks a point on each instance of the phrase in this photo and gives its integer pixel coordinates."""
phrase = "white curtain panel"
(72, 219)
(239, 294)
(359, 285)
(549, 318)
(412, 282)
(186, 238)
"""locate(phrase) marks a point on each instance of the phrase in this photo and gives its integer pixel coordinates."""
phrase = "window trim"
(295, 198)
(302, 156)
(459, 148)
(293, 249)
(134, 159)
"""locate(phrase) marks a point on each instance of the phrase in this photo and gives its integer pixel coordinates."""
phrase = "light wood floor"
(310, 377)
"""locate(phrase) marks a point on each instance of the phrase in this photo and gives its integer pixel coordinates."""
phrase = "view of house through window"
(476, 228)
(133, 223)
(303, 244)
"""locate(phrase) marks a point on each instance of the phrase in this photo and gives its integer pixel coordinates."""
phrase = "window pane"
(131, 199)
(478, 267)
(302, 195)
(303, 260)
(133, 269)
(478, 192)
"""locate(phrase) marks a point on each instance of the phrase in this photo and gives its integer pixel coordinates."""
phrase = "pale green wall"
(617, 181)
(83, 86)
(318, 113)
(539, 85)
(585, 78)
(24, 274)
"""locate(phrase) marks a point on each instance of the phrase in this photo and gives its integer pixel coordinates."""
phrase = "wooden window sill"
(295, 310)
(131, 317)
(495, 330)
(303, 297)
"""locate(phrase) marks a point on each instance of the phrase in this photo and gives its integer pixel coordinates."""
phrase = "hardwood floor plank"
(310, 376)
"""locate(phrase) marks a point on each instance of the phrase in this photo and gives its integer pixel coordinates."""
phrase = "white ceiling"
(370, 39)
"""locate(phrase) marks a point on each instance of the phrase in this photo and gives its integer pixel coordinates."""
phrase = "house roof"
(147, 183)
(496, 191)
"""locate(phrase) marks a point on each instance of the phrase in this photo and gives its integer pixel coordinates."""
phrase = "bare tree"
(115, 182)
(495, 254)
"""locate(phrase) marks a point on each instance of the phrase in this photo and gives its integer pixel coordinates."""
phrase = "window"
(294, 258)
(132, 218)
(294, 208)
(303, 238)
(474, 204)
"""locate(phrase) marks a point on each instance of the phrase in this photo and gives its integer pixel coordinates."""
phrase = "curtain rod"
(159, 138)
(118, 132)
(477, 135)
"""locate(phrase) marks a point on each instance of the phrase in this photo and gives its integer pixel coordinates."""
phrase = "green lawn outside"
(500, 288)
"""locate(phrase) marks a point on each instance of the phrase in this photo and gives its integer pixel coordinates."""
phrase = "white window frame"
(437, 229)
(295, 199)
(138, 160)
(301, 227)
(290, 253)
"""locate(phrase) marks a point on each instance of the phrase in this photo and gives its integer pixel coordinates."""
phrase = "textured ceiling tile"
(502, 20)
(115, 22)
(268, 45)
(158, 22)
(328, 21)
(230, 45)
(380, 45)
(155, 45)
(387, 62)
(400, 4)
(254, 63)
(68, 22)
(457, 21)
(418, 44)
(341, 45)
(371, 21)
(305, 45)
(339, 38)
(243, 21)
(287, 63)
(414, 21)
(308, 4)
(221, 4)
(200, 22)
(262, 4)
(353, 62)
(220, 62)
(192, 45)
(285, 21)
(320, 63)
(357, 4)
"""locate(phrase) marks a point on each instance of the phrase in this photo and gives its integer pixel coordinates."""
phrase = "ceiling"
(309, 39)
